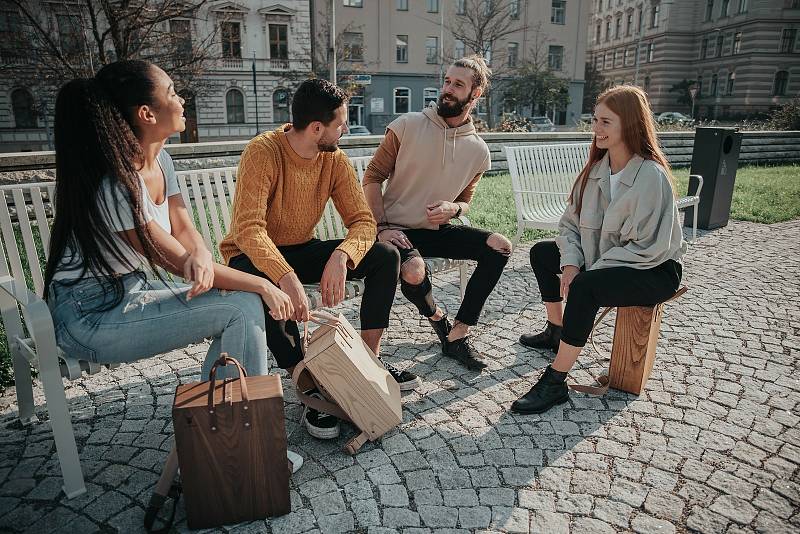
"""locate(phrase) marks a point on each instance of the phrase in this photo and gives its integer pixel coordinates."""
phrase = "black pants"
(458, 243)
(379, 269)
(589, 290)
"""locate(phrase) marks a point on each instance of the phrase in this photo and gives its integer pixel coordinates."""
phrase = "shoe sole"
(554, 349)
(320, 433)
(562, 400)
(410, 385)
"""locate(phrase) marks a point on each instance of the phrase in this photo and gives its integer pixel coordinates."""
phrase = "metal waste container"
(715, 157)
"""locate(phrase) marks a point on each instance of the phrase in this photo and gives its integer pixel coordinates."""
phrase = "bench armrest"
(35, 312)
(699, 183)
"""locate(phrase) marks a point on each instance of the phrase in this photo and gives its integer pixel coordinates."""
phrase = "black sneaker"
(548, 339)
(551, 389)
(319, 424)
(463, 351)
(407, 380)
(442, 327)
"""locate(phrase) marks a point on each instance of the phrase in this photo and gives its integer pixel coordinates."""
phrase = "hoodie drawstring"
(444, 145)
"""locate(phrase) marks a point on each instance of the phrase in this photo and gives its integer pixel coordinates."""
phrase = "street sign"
(376, 105)
(358, 79)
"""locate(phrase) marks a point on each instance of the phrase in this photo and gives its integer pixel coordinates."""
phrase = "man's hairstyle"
(316, 100)
(480, 70)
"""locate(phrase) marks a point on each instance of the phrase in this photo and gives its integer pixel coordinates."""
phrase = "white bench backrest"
(25, 221)
(208, 195)
(542, 175)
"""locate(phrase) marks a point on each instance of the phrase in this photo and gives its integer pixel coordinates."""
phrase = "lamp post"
(332, 51)
(255, 91)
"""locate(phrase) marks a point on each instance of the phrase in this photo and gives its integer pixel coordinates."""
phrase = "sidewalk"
(712, 445)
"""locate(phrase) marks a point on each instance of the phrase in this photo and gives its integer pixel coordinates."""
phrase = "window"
(742, 6)
(353, 46)
(487, 54)
(278, 41)
(781, 83)
(713, 85)
(514, 9)
(402, 100)
(651, 51)
(432, 50)
(699, 87)
(598, 30)
(401, 44)
(617, 27)
(737, 42)
(617, 58)
(402, 5)
(461, 7)
(69, 35)
(655, 15)
(608, 30)
(720, 41)
(558, 11)
(723, 9)
(512, 54)
(647, 83)
(12, 38)
(628, 23)
(459, 50)
(280, 106)
(640, 18)
(704, 48)
(234, 104)
(555, 57)
(599, 62)
(729, 85)
(429, 94)
(433, 6)
(630, 55)
(709, 10)
(231, 40)
(353, 3)
(607, 61)
(480, 109)
(23, 108)
(787, 41)
(180, 29)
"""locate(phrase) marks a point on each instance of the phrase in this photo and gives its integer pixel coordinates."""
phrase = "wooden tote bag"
(357, 387)
(231, 443)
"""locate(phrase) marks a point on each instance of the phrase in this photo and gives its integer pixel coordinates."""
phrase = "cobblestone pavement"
(712, 445)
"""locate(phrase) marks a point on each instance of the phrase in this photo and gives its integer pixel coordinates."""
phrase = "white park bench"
(25, 218)
(542, 176)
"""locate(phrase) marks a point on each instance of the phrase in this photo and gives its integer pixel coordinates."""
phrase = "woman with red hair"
(620, 241)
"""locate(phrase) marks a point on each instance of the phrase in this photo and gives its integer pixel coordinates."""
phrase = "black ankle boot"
(550, 390)
(442, 328)
(549, 339)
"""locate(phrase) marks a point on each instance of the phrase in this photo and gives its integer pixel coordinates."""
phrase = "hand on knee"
(413, 271)
(499, 243)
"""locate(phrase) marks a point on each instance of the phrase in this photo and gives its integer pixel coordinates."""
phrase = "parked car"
(357, 130)
(541, 124)
(587, 117)
(674, 117)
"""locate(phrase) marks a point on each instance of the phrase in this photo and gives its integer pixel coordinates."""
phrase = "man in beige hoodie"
(432, 162)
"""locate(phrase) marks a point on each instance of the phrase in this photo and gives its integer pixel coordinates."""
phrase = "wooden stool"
(633, 351)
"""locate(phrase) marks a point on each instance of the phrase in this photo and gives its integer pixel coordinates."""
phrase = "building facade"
(395, 51)
(261, 44)
(743, 56)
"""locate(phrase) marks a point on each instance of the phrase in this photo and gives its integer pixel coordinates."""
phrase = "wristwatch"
(458, 212)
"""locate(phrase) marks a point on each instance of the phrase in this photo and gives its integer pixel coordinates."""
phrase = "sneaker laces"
(321, 416)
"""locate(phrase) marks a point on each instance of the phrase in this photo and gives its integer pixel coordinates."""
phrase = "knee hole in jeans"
(413, 271)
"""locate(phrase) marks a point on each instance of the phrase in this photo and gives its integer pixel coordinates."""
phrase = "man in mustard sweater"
(432, 162)
(285, 178)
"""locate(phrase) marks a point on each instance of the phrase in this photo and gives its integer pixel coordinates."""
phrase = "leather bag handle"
(223, 360)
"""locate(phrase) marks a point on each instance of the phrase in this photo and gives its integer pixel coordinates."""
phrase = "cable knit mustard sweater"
(281, 196)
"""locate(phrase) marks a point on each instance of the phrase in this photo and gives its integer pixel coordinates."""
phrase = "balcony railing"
(278, 65)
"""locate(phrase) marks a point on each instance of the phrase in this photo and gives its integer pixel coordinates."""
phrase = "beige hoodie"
(434, 162)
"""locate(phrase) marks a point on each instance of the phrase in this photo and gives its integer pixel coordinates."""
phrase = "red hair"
(638, 133)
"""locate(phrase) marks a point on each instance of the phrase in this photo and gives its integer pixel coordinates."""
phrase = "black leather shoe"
(549, 339)
(442, 327)
(549, 391)
(463, 351)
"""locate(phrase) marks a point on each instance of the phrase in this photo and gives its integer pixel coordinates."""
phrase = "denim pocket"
(71, 346)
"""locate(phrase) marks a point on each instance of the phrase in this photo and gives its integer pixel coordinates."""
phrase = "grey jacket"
(639, 228)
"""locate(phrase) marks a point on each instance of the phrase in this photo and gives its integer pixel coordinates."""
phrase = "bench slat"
(31, 253)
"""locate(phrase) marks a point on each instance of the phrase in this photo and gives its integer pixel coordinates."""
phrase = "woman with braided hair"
(120, 219)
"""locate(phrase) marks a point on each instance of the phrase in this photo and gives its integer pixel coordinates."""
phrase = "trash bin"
(715, 157)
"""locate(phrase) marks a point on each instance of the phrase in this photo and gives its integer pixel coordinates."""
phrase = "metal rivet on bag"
(245, 406)
(210, 411)
(247, 424)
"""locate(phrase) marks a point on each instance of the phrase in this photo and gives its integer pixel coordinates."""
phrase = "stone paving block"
(107, 505)
(294, 522)
(645, 524)
(438, 516)
(333, 524)
(510, 519)
(399, 517)
(366, 512)
(393, 495)
(430, 496)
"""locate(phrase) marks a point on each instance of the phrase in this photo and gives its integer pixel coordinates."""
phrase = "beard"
(327, 145)
(451, 108)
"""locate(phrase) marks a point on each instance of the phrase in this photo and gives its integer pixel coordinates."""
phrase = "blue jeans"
(154, 318)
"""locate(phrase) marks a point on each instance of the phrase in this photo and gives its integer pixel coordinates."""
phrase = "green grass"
(764, 194)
